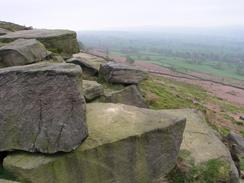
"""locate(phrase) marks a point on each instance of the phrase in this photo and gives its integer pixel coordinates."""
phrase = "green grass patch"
(161, 93)
(5, 174)
(217, 68)
(242, 132)
(242, 163)
(212, 171)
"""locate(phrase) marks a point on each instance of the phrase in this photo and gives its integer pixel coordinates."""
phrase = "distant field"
(219, 54)
(184, 65)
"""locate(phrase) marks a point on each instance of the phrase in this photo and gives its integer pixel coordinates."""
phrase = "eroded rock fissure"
(39, 125)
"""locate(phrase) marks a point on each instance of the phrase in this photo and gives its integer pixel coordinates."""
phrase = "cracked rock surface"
(42, 108)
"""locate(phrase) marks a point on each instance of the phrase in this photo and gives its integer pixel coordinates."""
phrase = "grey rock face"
(90, 64)
(63, 42)
(22, 52)
(41, 108)
(3, 31)
(92, 90)
(242, 117)
(238, 141)
(121, 73)
(126, 144)
(129, 96)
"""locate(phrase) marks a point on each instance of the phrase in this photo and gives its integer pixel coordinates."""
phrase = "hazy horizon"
(116, 15)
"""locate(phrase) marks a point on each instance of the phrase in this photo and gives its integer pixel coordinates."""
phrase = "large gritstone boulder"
(41, 108)
(22, 52)
(129, 96)
(59, 41)
(121, 73)
(90, 64)
(126, 144)
(203, 148)
(92, 90)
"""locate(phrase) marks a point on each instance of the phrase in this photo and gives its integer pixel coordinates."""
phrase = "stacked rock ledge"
(22, 52)
(63, 42)
(42, 108)
(126, 144)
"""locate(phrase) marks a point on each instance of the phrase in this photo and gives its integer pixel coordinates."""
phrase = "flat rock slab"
(201, 141)
(22, 52)
(92, 90)
(63, 42)
(90, 64)
(7, 181)
(121, 74)
(130, 95)
(41, 108)
(126, 144)
(4, 31)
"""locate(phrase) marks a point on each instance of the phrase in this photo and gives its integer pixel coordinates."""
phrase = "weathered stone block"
(92, 90)
(63, 42)
(120, 73)
(22, 52)
(130, 95)
(90, 64)
(41, 108)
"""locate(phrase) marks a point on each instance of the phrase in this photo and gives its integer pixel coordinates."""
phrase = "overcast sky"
(106, 14)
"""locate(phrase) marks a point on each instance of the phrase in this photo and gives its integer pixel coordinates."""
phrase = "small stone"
(242, 117)
(92, 90)
(129, 96)
(90, 64)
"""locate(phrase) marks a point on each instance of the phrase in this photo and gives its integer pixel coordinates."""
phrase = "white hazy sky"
(105, 14)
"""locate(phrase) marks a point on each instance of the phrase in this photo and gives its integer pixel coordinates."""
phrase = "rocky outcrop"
(90, 64)
(203, 145)
(126, 144)
(3, 31)
(13, 27)
(41, 108)
(118, 73)
(238, 141)
(129, 96)
(22, 52)
(92, 90)
(59, 41)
